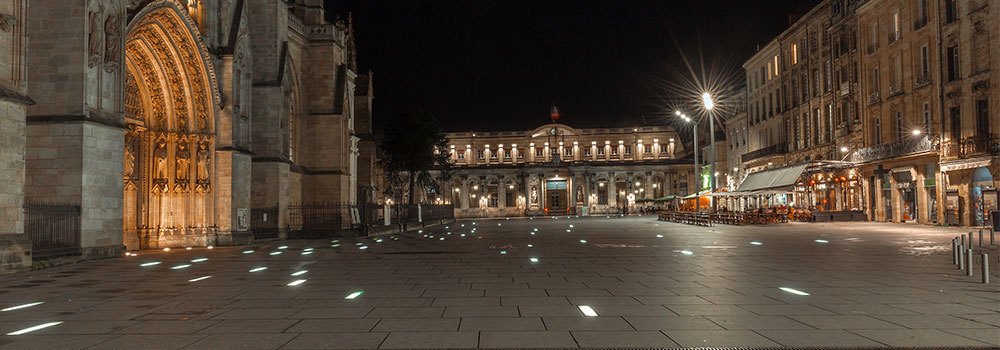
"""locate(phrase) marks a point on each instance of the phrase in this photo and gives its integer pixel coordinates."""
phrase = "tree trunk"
(412, 179)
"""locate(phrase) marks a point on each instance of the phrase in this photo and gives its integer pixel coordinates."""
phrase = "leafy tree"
(407, 152)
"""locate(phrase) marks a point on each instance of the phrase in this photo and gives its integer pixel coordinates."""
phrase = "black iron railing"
(901, 147)
(766, 151)
(264, 222)
(971, 146)
(54, 229)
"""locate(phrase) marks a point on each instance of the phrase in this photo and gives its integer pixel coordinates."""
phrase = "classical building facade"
(889, 103)
(150, 116)
(558, 169)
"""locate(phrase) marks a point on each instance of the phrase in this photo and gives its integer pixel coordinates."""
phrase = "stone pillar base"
(15, 253)
(102, 252)
(234, 238)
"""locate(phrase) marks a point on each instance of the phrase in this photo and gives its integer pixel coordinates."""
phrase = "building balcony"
(922, 80)
(971, 146)
(920, 23)
(906, 145)
(895, 89)
(874, 98)
(764, 152)
(893, 37)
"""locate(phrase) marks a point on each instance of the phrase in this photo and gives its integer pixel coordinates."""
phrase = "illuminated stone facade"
(904, 92)
(557, 169)
(169, 121)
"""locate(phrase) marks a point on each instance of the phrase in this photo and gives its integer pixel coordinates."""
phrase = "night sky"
(500, 65)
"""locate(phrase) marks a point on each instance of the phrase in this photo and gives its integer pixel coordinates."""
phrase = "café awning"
(773, 179)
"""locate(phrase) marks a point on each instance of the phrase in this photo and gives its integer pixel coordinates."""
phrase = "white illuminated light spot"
(822, 241)
(258, 269)
(335, 245)
(583, 241)
(188, 248)
(463, 235)
(151, 263)
(503, 252)
(793, 291)
(308, 249)
(532, 233)
(354, 295)
(587, 311)
(363, 247)
(534, 260)
(307, 252)
(529, 246)
(687, 252)
(568, 230)
(247, 252)
(12, 308)
(299, 273)
(659, 236)
(335, 241)
(178, 267)
(199, 278)
(756, 243)
(275, 253)
(570, 226)
(359, 243)
(442, 238)
(210, 247)
(283, 247)
(378, 240)
(166, 249)
(35, 328)
(199, 260)
(296, 282)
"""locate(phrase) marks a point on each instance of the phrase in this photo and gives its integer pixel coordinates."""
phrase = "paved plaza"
(523, 283)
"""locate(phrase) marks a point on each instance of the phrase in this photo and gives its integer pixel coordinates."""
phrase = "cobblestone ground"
(523, 283)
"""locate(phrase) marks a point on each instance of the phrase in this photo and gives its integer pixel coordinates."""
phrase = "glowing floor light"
(503, 252)
(178, 267)
(822, 241)
(756, 243)
(363, 247)
(258, 269)
(687, 252)
(151, 263)
(35, 328)
(275, 253)
(199, 260)
(354, 295)
(307, 252)
(283, 247)
(659, 236)
(793, 291)
(299, 273)
(584, 241)
(587, 311)
(23, 306)
(199, 278)
(296, 282)
(534, 260)
(247, 252)
(335, 245)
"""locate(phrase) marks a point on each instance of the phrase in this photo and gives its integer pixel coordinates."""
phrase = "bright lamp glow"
(21, 306)
(677, 112)
(916, 131)
(843, 149)
(793, 291)
(707, 99)
(587, 310)
(35, 328)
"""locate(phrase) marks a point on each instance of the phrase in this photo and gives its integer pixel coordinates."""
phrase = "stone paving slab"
(467, 295)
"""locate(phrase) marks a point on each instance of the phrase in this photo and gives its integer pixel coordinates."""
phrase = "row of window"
(568, 152)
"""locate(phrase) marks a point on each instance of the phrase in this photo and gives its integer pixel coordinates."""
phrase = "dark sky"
(500, 65)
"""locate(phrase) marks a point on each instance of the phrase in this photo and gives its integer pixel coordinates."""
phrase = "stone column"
(879, 204)
(921, 191)
(15, 247)
(75, 134)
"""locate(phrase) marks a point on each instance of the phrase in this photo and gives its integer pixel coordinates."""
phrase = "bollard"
(963, 241)
(961, 257)
(968, 272)
(980, 238)
(970, 239)
(992, 242)
(986, 268)
(954, 251)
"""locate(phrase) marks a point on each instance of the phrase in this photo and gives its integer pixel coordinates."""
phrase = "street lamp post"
(697, 176)
(706, 99)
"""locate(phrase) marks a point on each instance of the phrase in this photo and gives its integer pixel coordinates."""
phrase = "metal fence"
(54, 229)
(264, 222)
(319, 217)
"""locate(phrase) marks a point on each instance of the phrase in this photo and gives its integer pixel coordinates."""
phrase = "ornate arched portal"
(170, 140)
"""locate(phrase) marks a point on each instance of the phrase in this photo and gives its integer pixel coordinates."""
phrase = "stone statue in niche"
(183, 159)
(112, 34)
(534, 195)
(95, 44)
(579, 193)
(160, 160)
(204, 161)
(129, 169)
